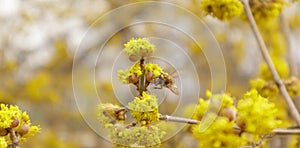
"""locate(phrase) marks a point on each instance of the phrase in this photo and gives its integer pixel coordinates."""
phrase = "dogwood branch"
(267, 58)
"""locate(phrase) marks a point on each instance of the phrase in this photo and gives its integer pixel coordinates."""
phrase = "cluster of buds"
(15, 125)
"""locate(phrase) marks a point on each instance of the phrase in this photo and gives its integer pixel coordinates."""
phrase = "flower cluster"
(281, 67)
(136, 136)
(14, 119)
(3, 143)
(137, 48)
(144, 109)
(267, 9)
(222, 9)
(253, 116)
(153, 69)
(267, 89)
(219, 134)
(132, 74)
(256, 115)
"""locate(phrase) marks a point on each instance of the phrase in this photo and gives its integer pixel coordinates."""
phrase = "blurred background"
(39, 40)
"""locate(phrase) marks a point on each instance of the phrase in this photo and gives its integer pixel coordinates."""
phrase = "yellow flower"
(138, 136)
(266, 89)
(137, 48)
(144, 109)
(134, 70)
(8, 114)
(266, 10)
(12, 117)
(3, 143)
(154, 68)
(200, 109)
(280, 65)
(219, 134)
(256, 115)
(222, 9)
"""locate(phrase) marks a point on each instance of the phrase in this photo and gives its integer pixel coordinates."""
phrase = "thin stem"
(178, 119)
(14, 138)
(285, 131)
(142, 78)
(267, 58)
(277, 131)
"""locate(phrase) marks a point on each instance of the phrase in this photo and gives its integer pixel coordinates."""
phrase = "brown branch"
(267, 58)
(14, 138)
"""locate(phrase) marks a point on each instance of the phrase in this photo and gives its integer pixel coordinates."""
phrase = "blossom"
(154, 68)
(12, 117)
(144, 109)
(266, 10)
(219, 134)
(256, 114)
(138, 136)
(3, 143)
(222, 9)
(137, 48)
(133, 72)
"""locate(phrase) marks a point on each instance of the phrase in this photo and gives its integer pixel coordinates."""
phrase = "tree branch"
(267, 58)
(14, 138)
(178, 119)
(277, 131)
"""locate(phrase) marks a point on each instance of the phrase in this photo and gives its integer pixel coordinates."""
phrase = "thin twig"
(266, 56)
(277, 131)
(142, 78)
(285, 131)
(14, 138)
(178, 119)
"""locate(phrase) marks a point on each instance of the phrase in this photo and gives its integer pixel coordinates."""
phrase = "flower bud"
(133, 79)
(3, 132)
(229, 113)
(24, 129)
(133, 58)
(15, 123)
(149, 76)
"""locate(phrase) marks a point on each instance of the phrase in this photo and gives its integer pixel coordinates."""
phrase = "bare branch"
(267, 58)
(178, 119)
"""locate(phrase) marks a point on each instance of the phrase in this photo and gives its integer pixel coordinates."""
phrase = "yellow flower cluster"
(266, 89)
(138, 136)
(293, 86)
(256, 115)
(133, 71)
(154, 68)
(235, 126)
(201, 108)
(219, 135)
(266, 10)
(280, 65)
(225, 99)
(12, 117)
(144, 109)
(3, 143)
(222, 9)
(137, 48)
